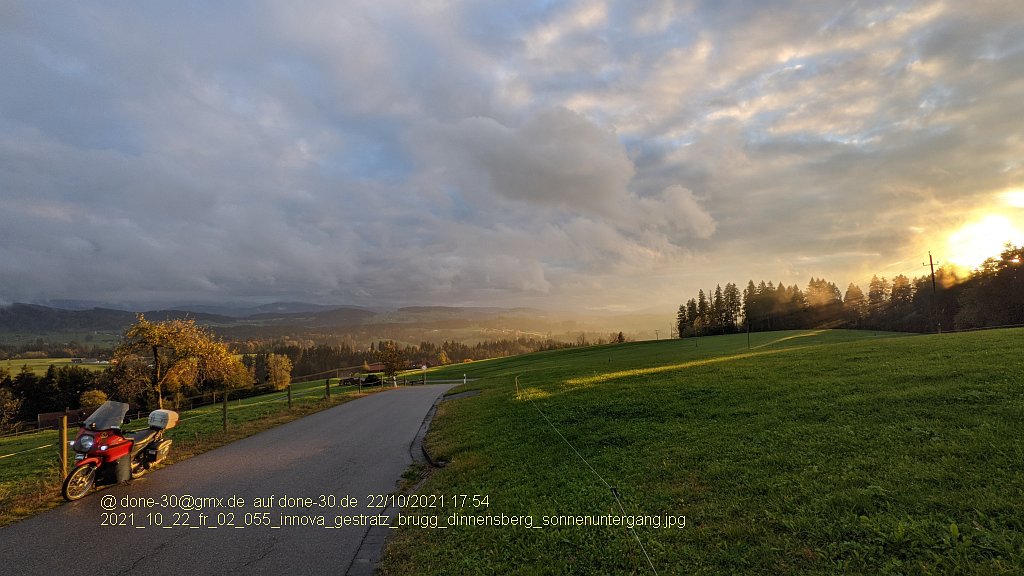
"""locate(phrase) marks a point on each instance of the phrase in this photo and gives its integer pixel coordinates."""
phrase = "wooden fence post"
(225, 416)
(328, 387)
(64, 445)
(289, 396)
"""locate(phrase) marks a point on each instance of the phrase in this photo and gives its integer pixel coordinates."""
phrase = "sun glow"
(981, 239)
(1014, 198)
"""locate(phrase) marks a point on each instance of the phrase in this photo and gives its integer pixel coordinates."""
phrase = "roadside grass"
(30, 482)
(810, 453)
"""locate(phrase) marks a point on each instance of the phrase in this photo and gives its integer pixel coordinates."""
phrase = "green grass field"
(40, 365)
(808, 453)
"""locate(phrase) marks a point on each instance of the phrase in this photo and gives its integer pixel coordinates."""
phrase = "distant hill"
(23, 318)
(201, 317)
(33, 318)
(26, 322)
(247, 311)
(344, 316)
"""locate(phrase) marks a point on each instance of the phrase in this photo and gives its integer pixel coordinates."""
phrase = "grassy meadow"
(39, 366)
(812, 452)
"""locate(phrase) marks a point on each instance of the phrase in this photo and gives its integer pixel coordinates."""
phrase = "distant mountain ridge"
(321, 323)
(272, 308)
(20, 317)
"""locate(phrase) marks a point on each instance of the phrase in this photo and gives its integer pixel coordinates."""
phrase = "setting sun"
(1014, 198)
(981, 239)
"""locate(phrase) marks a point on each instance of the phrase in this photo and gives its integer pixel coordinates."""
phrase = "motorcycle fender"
(93, 460)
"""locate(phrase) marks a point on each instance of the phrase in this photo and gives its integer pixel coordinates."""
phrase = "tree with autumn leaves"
(392, 357)
(182, 358)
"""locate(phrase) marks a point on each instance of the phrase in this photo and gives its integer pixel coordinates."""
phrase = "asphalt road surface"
(242, 508)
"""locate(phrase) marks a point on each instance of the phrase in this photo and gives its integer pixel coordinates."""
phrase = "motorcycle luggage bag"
(163, 419)
(157, 451)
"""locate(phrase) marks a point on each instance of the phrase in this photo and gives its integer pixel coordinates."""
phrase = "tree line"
(177, 364)
(321, 358)
(25, 394)
(41, 348)
(991, 295)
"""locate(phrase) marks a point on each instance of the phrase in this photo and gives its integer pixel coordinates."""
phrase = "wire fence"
(25, 432)
(318, 376)
(2, 456)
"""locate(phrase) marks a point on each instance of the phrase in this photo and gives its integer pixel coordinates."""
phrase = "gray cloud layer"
(564, 154)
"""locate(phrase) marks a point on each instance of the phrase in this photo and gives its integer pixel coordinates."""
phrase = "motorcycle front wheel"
(79, 482)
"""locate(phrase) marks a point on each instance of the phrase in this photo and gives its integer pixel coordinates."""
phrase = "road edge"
(371, 548)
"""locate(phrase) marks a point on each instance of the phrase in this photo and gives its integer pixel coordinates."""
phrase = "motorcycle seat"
(141, 439)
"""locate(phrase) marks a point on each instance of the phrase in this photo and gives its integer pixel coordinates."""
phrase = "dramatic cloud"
(557, 154)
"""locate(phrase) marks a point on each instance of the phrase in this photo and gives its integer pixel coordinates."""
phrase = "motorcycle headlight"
(85, 443)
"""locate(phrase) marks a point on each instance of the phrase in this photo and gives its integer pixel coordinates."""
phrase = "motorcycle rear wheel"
(79, 482)
(138, 468)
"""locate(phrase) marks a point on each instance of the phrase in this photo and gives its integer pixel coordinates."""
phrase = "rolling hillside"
(817, 452)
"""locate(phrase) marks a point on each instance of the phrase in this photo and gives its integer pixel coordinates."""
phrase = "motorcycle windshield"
(109, 415)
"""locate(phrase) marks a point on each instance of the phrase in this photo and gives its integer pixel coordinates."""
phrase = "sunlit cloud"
(585, 153)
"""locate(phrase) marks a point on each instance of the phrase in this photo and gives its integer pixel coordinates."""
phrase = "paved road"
(355, 449)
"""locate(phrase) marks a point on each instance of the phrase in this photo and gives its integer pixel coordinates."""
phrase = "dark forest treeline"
(25, 394)
(41, 348)
(992, 295)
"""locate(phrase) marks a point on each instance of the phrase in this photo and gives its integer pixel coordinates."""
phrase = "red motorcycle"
(106, 455)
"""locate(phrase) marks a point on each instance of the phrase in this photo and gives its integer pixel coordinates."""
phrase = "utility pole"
(935, 297)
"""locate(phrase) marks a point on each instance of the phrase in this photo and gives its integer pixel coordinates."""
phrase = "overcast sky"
(567, 155)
